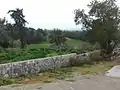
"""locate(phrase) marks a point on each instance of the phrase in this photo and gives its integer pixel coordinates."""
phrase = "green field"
(69, 42)
(73, 41)
(78, 44)
(36, 46)
(42, 50)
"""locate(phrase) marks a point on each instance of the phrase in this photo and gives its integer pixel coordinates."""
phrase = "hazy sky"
(45, 13)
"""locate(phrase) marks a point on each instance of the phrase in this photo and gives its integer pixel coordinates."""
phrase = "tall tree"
(101, 23)
(4, 35)
(20, 22)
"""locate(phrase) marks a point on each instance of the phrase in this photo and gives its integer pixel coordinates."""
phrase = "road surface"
(98, 82)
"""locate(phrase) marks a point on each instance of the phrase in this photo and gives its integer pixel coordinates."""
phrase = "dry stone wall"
(35, 66)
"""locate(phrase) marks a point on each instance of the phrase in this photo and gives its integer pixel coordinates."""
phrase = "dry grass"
(96, 68)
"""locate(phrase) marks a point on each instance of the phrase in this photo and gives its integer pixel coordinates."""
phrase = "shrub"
(61, 49)
(1, 49)
(3, 57)
(18, 55)
(5, 81)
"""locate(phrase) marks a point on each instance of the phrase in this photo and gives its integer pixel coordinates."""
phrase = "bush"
(61, 49)
(18, 55)
(52, 54)
(3, 57)
(5, 81)
(37, 53)
(1, 49)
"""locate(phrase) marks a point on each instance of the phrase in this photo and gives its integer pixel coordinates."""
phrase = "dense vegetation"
(19, 42)
(100, 31)
(101, 23)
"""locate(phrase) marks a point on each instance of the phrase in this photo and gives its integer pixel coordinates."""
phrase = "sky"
(46, 14)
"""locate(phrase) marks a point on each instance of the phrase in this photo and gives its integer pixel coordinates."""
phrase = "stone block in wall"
(80, 59)
(95, 55)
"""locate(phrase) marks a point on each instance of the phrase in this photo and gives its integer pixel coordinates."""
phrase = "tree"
(57, 37)
(42, 35)
(34, 36)
(101, 23)
(20, 22)
(4, 35)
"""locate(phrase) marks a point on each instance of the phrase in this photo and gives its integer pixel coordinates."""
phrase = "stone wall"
(35, 66)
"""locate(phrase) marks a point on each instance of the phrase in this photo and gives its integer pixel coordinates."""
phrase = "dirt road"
(82, 83)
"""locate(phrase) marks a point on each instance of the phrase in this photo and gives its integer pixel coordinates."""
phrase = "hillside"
(69, 42)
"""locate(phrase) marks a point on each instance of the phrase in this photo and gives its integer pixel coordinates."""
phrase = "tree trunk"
(22, 37)
(22, 43)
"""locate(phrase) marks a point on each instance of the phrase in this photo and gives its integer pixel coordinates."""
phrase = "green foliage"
(4, 35)
(6, 81)
(60, 49)
(56, 37)
(18, 55)
(39, 45)
(101, 23)
(52, 54)
(35, 36)
(1, 49)
(20, 22)
(42, 50)
(74, 41)
(78, 44)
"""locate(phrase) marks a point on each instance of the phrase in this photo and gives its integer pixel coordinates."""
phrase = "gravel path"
(82, 83)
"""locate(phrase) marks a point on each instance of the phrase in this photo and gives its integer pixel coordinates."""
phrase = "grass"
(73, 41)
(96, 68)
(52, 54)
(46, 44)
(62, 73)
(37, 46)
(41, 50)
(77, 43)
(21, 55)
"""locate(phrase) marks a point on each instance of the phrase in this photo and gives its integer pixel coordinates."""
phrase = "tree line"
(18, 35)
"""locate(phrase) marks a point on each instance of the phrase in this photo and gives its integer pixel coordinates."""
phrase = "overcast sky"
(45, 13)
